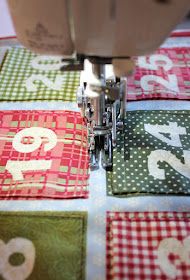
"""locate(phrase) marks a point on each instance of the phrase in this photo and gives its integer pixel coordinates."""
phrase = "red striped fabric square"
(43, 154)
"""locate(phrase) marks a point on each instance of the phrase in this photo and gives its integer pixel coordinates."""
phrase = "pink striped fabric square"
(164, 74)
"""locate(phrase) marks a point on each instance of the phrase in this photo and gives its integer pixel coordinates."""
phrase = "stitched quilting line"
(148, 216)
(173, 112)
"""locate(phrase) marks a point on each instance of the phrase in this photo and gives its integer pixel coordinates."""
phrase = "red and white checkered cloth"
(148, 245)
(43, 154)
(164, 74)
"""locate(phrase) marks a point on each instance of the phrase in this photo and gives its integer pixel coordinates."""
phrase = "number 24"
(166, 156)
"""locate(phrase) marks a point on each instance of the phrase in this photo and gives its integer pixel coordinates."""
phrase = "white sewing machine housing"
(104, 32)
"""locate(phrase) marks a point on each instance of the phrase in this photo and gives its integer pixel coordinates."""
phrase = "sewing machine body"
(105, 28)
(104, 32)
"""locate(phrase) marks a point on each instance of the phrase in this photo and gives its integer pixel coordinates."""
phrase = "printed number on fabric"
(156, 61)
(17, 245)
(41, 63)
(166, 156)
(169, 246)
(39, 135)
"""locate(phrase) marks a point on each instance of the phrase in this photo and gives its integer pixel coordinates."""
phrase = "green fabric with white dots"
(152, 156)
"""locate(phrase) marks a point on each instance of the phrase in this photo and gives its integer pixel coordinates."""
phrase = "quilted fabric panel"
(148, 245)
(26, 76)
(43, 154)
(164, 74)
(152, 155)
(43, 245)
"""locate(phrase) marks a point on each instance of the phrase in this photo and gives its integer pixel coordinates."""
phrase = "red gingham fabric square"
(164, 74)
(43, 154)
(148, 245)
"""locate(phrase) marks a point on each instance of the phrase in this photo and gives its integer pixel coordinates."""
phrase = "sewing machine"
(103, 32)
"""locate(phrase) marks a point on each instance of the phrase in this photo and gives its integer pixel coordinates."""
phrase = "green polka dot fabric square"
(26, 76)
(152, 156)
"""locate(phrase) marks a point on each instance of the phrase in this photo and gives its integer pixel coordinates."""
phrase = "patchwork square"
(164, 74)
(152, 156)
(148, 245)
(26, 76)
(43, 154)
(43, 245)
